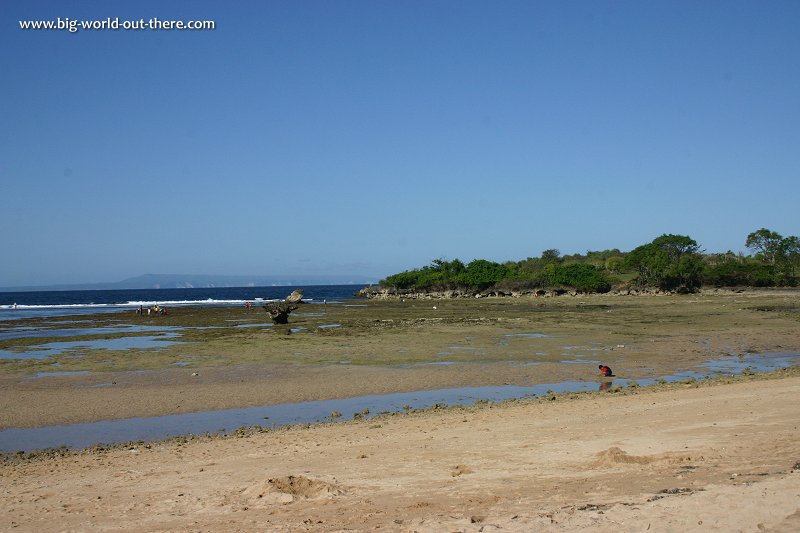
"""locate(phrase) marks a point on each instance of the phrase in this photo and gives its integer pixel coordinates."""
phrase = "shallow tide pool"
(228, 420)
(43, 351)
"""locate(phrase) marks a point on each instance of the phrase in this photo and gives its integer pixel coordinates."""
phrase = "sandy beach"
(718, 455)
(686, 458)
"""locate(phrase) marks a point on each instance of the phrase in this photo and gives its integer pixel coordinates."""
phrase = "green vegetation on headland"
(669, 263)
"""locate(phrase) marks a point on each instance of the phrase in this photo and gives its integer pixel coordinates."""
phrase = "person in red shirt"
(605, 370)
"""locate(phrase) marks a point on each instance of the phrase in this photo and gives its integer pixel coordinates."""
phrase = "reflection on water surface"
(135, 429)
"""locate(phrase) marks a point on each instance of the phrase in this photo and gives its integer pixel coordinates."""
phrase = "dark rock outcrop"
(279, 311)
(379, 292)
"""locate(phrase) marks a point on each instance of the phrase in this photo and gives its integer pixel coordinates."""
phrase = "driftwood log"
(279, 311)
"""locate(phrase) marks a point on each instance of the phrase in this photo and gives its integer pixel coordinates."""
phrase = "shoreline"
(385, 347)
(631, 388)
(378, 292)
(682, 458)
(686, 456)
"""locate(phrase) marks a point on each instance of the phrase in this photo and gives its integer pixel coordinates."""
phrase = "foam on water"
(75, 302)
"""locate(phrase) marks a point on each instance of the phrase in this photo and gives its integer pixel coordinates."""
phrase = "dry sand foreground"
(713, 458)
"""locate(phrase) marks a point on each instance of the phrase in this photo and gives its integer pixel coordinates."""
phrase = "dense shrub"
(668, 262)
(481, 274)
(582, 277)
(738, 274)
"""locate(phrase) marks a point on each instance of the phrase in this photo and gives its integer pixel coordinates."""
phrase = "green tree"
(449, 269)
(402, 280)
(676, 246)
(615, 263)
(551, 255)
(668, 262)
(791, 247)
(781, 254)
(765, 243)
(481, 273)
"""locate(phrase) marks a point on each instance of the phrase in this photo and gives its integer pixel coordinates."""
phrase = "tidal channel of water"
(271, 416)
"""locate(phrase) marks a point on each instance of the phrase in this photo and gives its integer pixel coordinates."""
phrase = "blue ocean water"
(15, 305)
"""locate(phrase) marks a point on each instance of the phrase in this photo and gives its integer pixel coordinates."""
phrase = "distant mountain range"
(186, 281)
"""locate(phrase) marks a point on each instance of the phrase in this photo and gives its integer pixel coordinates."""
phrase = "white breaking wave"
(133, 304)
(59, 306)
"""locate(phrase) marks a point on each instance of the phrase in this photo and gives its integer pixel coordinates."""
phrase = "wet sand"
(383, 347)
(683, 458)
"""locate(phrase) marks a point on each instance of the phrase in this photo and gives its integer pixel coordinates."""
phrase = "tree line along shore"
(673, 263)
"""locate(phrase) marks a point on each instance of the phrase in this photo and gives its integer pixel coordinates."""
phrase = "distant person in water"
(605, 370)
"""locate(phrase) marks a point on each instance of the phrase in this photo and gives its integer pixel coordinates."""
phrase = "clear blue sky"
(368, 137)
